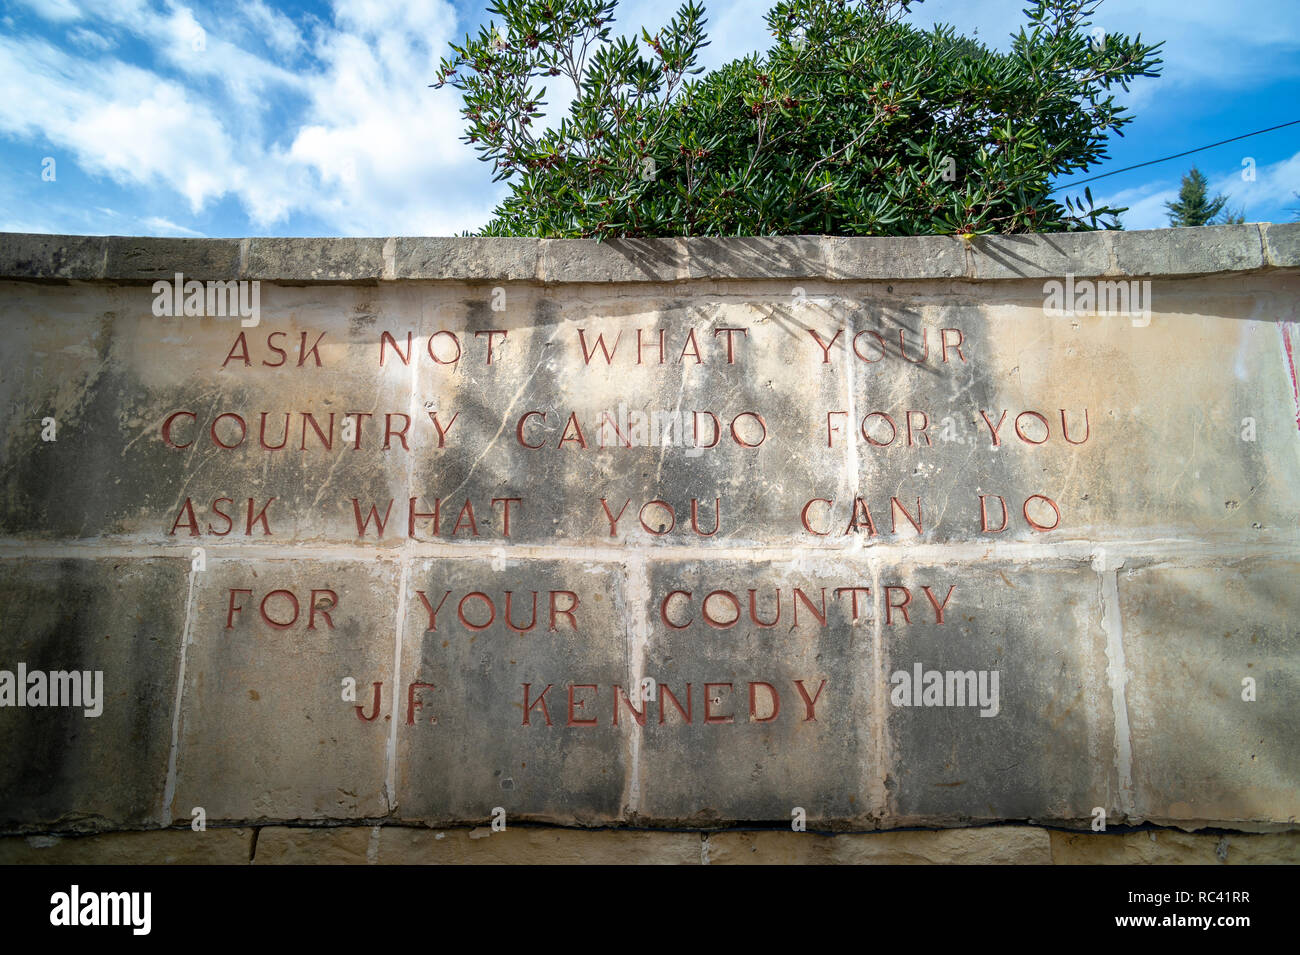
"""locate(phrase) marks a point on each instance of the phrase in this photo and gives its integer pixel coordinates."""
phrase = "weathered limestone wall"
(649, 535)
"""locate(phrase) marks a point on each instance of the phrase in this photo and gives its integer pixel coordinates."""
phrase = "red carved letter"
(541, 699)
(810, 716)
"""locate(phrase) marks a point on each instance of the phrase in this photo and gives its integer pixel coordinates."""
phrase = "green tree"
(853, 123)
(1194, 206)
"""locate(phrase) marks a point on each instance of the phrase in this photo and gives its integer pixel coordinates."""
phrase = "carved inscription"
(863, 420)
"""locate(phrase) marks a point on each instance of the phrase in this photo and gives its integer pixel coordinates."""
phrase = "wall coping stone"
(1159, 252)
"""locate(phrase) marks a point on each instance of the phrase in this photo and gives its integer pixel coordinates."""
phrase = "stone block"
(898, 259)
(1170, 847)
(467, 741)
(1281, 244)
(156, 847)
(1188, 251)
(266, 733)
(790, 258)
(763, 703)
(315, 260)
(151, 412)
(60, 769)
(316, 845)
(1039, 744)
(1202, 754)
(536, 846)
(1041, 256)
(565, 416)
(66, 257)
(1092, 427)
(144, 258)
(477, 259)
(986, 845)
(612, 260)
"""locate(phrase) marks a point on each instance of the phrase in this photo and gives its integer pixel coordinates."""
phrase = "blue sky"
(315, 118)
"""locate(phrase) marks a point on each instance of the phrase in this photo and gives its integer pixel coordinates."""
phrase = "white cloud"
(157, 225)
(1146, 205)
(280, 33)
(120, 120)
(346, 131)
(201, 50)
(59, 11)
(381, 142)
(1274, 185)
(91, 40)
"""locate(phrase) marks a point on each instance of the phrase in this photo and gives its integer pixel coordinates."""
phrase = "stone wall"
(939, 550)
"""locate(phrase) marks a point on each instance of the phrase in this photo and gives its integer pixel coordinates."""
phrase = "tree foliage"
(853, 123)
(1195, 207)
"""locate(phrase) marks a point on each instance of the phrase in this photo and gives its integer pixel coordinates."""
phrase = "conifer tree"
(1194, 206)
